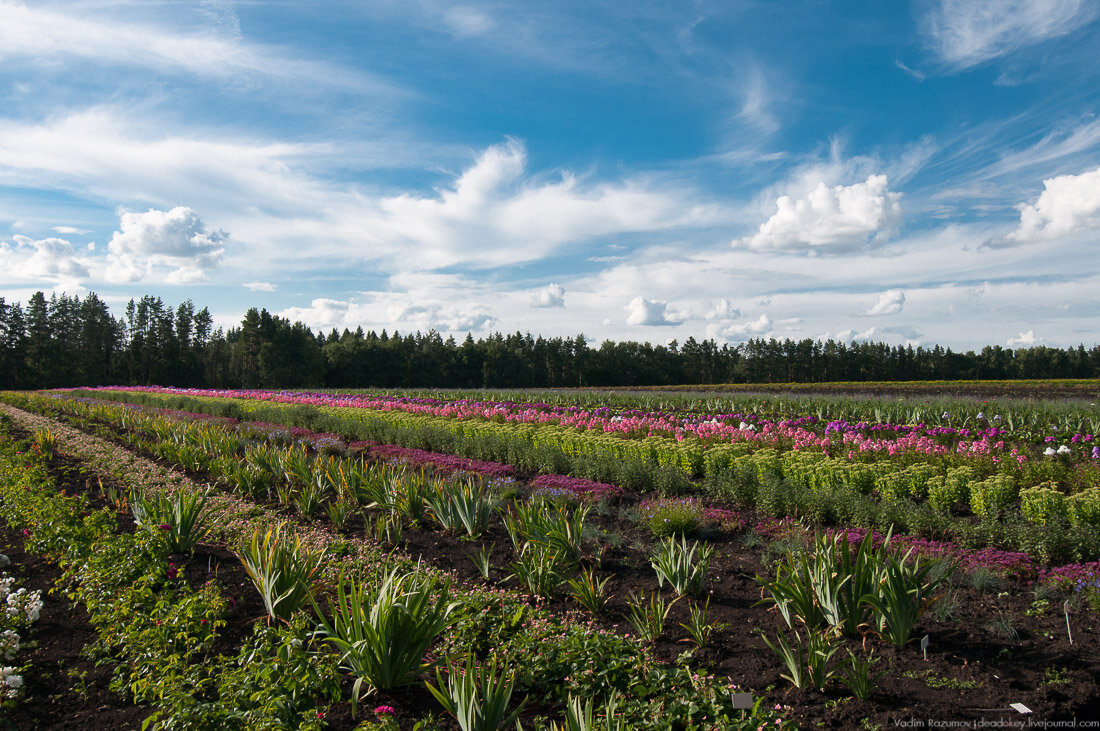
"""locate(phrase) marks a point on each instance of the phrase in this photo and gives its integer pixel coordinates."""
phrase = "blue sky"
(923, 172)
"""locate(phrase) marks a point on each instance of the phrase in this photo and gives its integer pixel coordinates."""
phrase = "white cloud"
(43, 260)
(393, 311)
(155, 239)
(759, 326)
(838, 218)
(966, 33)
(466, 21)
(494, 213)
(1025, 339)
(889, 302)
(721, 309)
(49, 36)
(641, 311)
(757, 97)
(552, 295)
(68, 230)
(847, 336)
(1068, 203)
(259, 286)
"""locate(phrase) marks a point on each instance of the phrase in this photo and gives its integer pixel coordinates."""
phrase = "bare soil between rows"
(986, 655)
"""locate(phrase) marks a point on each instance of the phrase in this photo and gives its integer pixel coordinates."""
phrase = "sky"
(921, 173)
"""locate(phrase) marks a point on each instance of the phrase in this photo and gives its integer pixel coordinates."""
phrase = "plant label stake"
(1019, 708)
(1065, 608)
(924, 647)
(742, 701)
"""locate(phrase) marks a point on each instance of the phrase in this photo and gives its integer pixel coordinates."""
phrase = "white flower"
(9, 644)
(1049, 451)
(1064, 449)
(10, 683)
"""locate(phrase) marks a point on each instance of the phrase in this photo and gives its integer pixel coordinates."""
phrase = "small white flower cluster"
(9, 644)
(1051, 451)
(20, 602)
(745, 426)
(10, 682)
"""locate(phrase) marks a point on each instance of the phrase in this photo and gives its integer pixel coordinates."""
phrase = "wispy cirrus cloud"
(45, 34)
(966, 33)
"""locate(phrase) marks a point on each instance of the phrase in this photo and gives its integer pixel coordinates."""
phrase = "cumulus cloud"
(641, 311)
(394, 311)
(259, 286)
(1068, 204)
(849, 335)
(150, 241)
(889, 303)
(837, 218)
(966, 33)
(721, 309)
(552, 295)
(50, 260)
(759, 326)
(1025, 339)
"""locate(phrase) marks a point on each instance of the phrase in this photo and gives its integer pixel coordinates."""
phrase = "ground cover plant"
(868, 671)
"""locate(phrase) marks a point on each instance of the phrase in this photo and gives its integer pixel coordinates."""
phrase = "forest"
(64, 341)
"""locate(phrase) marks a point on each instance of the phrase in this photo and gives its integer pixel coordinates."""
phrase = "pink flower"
(385, 711)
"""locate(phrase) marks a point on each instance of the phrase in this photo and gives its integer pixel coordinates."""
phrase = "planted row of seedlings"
(353, 608)
(904, 592)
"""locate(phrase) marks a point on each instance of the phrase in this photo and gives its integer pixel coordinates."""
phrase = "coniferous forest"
(68, 341)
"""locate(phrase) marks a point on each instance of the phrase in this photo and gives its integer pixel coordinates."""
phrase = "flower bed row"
(235, 521)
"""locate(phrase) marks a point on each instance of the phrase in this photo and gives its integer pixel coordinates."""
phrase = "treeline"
(67, 341)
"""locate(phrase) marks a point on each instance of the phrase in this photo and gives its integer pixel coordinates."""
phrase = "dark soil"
(984, 655)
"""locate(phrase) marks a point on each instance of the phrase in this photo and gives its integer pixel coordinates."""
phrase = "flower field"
(259, 559)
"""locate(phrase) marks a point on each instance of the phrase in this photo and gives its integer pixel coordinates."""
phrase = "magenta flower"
(385, 711)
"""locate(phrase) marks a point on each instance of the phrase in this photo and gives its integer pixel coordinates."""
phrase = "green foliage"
(382, 630)
(905, 590)
(583, 717)
(993, 495)
(698, 627)
(671, 517)
(590, 592)
(648, 618)
(177, 518)
(1043, 503)
(858, 675)
(478, 697)
(675, 563)
(278, 680)
(539, 569)
(462, 505)
(807, 661)
(283, 571)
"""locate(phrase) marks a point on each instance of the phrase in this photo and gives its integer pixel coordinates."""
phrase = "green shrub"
(993, 495)
(1043, 503)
